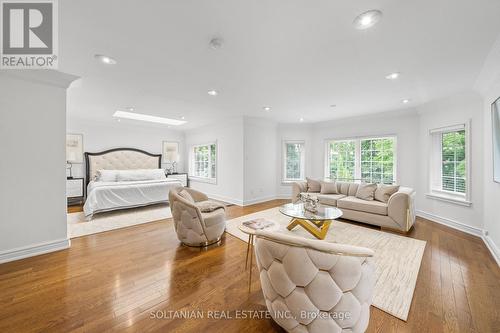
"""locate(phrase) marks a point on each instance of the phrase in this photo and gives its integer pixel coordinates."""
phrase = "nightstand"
(74, 190)
(183, 177)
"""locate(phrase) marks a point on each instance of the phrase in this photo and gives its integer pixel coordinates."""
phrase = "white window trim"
(199, 179)
(433, 173)
(357, 154)
(284, 180)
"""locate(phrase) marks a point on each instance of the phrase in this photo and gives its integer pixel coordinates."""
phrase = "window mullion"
(357, 159)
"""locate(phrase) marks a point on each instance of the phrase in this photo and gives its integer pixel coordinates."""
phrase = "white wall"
(261, 156)
(445, 112)
(230, 171)
(489, 85)
(102, 136)
(402, 124)
(32, 170)
(491, 197)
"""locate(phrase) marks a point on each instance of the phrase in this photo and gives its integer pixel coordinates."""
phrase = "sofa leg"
(397, 231)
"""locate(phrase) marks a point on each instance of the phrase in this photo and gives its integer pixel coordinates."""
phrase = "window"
(293, 161)
(203, 162)
(449, 164)
(341, 160)
(367, 159)
(377, 160)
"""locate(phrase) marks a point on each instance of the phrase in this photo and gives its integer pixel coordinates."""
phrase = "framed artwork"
(170, 151)
(495, 120)
(74, 148)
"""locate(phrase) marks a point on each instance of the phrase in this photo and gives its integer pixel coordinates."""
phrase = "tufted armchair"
(194, 227)
(315, 286)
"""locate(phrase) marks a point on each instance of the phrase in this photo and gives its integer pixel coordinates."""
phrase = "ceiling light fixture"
(393, 76)
(148, 118)
(367, 19)
(213, 92)
(405, 101)
(267, 108)
(183, 117)
(105, 59)
(216, 43)
(301, 119)
(333, 105)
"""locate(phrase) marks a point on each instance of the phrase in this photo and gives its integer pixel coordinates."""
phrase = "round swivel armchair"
(313, 286)
(197, 221)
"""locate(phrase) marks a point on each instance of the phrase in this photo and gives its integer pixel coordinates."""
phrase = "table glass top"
(297, 211)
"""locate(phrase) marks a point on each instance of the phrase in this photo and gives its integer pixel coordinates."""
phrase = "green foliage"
(204, 161)
(453, 161)
(377, 160)
(293, 160)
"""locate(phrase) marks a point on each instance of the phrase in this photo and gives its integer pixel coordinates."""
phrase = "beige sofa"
(397, 214)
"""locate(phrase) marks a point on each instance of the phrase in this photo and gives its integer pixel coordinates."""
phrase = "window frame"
(210, 180)
(435, 190)
(284, 179)
(357, 154)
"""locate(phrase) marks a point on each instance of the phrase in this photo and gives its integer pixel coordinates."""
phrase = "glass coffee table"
(316, 223)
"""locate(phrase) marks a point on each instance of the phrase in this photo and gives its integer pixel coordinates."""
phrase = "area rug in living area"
(397, 258)
(78, 226)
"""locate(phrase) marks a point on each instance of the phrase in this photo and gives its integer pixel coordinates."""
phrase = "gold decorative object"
(316, 228)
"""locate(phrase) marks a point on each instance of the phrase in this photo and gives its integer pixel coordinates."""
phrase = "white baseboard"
(259, 200)
(451, 223)
(225, 199)
(34, 250)
(475, 231)
(495, 252)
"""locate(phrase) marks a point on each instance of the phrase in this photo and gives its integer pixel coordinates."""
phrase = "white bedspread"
(106, 196)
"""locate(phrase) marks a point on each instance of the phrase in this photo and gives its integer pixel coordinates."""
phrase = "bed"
(129, 191)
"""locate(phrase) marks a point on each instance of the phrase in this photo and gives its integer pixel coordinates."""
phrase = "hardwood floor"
(115, 280)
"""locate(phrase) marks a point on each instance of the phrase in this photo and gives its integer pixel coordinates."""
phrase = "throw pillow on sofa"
(366, 191)
(329, 187)
(313, 185)
(384, 192)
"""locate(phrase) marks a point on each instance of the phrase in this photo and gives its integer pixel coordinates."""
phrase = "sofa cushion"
(329, 199)
(366, 191)
(353, 203)
(347, 188)
(313, 185)
(329, 188)
(384, 192)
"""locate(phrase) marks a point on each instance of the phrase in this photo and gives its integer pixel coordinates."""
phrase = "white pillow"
(140, 174)
(106, 175)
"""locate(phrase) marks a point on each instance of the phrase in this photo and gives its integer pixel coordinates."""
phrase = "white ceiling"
(297, 56)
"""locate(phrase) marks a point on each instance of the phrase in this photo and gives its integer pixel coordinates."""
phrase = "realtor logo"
(29, 34)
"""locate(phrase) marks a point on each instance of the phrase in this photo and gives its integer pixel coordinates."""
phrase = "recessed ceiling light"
(301, 119)
(216, 43)
(267, 108)
(105, 59)
(405, 101)
(148, 118)
(183, 117)
(392, 76)
(367, 19)
(213, 92)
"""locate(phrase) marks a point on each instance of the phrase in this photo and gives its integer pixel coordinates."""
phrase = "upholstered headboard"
(120, 159)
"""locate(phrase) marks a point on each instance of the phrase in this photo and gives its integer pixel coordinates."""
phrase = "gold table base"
(316, 228)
